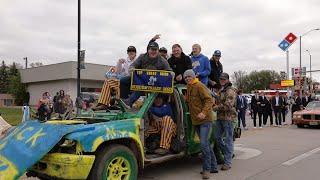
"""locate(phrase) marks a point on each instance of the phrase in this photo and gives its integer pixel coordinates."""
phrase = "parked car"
(309, 116)
(112, 145)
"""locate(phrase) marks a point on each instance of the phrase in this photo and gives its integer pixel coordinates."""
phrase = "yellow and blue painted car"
(95, 145)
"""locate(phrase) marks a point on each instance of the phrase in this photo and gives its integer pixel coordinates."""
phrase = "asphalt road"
(270, 153)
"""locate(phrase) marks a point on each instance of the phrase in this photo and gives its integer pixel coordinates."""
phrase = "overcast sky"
(246, 32)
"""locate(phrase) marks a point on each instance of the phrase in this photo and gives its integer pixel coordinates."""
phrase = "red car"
(309, 116)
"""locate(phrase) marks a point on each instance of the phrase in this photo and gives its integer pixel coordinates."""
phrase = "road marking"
(302, 156)
(248, 152)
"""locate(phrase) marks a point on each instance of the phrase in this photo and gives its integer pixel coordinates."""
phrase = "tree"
(3, 77)
(13, 70)
(36, 64)
(258, 80)
(238, 78)
(17, 89)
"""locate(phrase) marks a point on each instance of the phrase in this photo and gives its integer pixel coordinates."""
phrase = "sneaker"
(260, 127)
(275, 125)
(211, 171)
(225, 168)
(245, 128)
(254, 127)
(280, 126)
(161, 151)
(126, 103)
(206, 175)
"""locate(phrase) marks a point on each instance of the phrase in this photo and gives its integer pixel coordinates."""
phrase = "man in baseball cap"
(226, 116)
(163, 52)
(216, 70)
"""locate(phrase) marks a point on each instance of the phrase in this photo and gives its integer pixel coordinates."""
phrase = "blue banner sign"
(26, 144)
(152, 81)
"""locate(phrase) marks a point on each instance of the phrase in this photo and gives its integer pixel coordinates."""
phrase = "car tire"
(114, 162)
(300, 125)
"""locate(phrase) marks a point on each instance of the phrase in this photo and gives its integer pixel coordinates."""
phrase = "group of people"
(199, 73)
(59, 104)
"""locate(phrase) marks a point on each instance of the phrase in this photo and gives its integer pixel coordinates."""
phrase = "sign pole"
(287, 76)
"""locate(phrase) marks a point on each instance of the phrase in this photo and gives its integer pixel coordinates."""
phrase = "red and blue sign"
(287, 42)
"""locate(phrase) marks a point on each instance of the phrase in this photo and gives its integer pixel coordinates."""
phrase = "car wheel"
(115, 162)
(300, 125)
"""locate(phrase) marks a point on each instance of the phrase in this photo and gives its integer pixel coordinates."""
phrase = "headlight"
(296, 116)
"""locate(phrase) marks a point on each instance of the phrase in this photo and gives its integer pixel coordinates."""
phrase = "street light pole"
(310, 62)
(26, 59)
(300, 68)
(78, 51)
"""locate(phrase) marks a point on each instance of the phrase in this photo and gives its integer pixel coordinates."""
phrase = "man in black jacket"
(277, 104)
(254, 108)
(179, 62)
(284, 108)
(262, 108)
(296, 105)
(305, 99)
(216, 70)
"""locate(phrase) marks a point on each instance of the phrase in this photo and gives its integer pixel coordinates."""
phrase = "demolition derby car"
(96, 145)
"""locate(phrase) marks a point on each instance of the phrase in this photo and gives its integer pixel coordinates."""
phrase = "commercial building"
(54, 77)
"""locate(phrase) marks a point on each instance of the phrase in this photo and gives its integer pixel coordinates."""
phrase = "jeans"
(125, 84)
(208, 156)
(226, 147)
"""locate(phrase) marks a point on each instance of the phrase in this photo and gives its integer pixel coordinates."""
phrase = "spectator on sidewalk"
(241, 109)
(296, 105)
(277, 104)
(284, 108)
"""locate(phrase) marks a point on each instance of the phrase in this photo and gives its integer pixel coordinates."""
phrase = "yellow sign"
(287, 83)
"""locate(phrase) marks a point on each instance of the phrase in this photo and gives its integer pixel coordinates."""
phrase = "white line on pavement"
(302, 156)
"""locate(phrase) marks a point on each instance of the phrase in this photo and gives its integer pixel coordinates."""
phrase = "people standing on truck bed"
(200, 64)
(226, 116)
(179, 62)
(200, 104)
(150, 60)
(111, 86)
(216, 70)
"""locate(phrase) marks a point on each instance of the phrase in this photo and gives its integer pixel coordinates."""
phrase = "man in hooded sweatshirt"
(200, 64)
(200, 104)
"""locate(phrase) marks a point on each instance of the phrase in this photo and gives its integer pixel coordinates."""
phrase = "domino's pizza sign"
(287, 42)
(111, 72)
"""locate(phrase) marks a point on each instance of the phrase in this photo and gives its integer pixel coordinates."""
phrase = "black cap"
(153, 45)
(163, 49)
(224, 76)
(131, 49)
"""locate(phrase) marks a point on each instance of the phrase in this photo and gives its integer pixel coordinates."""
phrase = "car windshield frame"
(313, 105)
